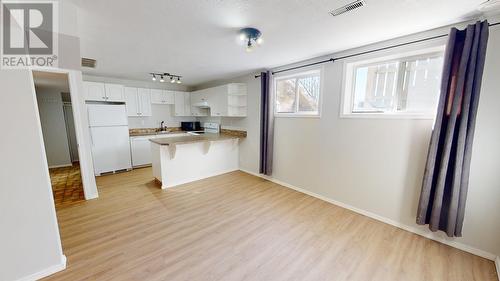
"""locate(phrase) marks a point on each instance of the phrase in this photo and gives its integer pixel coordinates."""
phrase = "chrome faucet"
(162, 128)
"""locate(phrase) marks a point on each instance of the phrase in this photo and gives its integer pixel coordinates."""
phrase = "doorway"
(58, 129)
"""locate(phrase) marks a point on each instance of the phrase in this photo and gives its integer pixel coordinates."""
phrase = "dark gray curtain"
(446, 177)
(266, 125)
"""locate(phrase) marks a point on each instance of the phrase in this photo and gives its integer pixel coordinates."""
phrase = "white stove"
(212, 128)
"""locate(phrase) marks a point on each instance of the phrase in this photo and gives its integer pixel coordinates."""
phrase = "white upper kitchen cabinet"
(218, 101)
(182, 106)
(114, 92)
(228, 100)
(131, 101)
(94, 91)
(187, 104)
(199, 97)
(162, 97)
(199, 102)
(98, 91)
(144, 96)
(138, 101)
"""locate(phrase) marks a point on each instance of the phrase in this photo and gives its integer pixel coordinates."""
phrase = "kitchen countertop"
(193, 139)
(155, 133)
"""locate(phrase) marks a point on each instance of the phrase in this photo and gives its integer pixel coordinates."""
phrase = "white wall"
(29, 236)
(159, 112)
(376, 165)
(55, 137)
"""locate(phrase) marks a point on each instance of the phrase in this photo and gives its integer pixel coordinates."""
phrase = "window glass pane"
(422, 84)
(308, 90)
(375, 87)
(285, 95)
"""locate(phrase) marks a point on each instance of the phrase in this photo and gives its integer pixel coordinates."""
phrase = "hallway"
(67, 185)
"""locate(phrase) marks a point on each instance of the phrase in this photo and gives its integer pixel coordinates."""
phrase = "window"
(405, 85)
(298, 94)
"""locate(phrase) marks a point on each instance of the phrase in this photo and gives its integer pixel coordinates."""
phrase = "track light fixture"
(173, 78)
(251, 36)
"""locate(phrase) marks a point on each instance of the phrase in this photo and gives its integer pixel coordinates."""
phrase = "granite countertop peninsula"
(208, 137)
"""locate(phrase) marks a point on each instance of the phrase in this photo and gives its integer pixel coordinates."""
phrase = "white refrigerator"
(109, 137)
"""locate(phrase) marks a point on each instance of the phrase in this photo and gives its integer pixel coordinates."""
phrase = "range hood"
(203, 104)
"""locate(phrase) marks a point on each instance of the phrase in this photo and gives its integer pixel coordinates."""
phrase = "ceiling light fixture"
(251, 36)
(173, 78)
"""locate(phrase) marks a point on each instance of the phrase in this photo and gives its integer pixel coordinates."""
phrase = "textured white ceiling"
(198, 38)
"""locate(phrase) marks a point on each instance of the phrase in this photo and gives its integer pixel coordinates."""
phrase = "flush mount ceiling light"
(251, 36)
(173, 78)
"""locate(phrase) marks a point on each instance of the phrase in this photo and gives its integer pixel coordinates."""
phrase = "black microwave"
(191, 126)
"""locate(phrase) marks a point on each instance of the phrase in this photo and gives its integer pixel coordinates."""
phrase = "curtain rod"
(366, 52)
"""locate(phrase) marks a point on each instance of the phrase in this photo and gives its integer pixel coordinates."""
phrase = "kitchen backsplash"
(160, 113)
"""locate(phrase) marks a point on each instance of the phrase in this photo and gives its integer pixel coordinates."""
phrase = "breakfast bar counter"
(193, 139)
(181, 159)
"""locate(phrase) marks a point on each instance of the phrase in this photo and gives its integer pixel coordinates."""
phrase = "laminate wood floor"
(240, 227)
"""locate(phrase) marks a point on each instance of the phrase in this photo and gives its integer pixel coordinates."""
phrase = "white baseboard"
(413, 229)
(60, 166)
(46, 272)
(497, 263)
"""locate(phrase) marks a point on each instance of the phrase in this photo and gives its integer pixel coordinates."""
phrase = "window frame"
(299, 74)
(349, 81)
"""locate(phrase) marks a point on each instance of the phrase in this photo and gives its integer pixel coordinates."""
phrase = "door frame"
(70, 126)
(80, 117)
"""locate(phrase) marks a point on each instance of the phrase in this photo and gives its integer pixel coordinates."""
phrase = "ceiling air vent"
(86, 62)
(349, 7)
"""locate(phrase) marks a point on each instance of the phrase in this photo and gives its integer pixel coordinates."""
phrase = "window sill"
(387, 116)
(295, 115)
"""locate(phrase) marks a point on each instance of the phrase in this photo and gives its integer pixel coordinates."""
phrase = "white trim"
(46, 272)
(388, 115)
(497, 263)
(61, 166)
(412, 229)
(297, 115)
(299, 73)
(81, 128)
(350, 65)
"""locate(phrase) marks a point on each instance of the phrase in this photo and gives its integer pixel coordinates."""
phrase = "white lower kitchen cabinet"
(141, 150)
